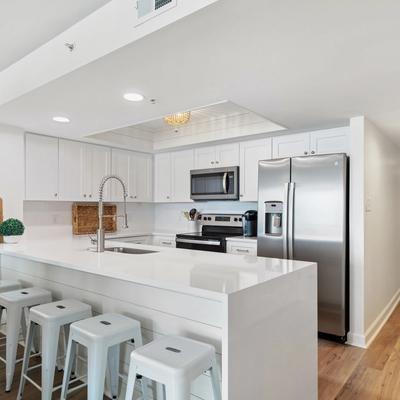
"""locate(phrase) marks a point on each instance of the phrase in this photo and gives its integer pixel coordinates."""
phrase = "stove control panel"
(222, 219)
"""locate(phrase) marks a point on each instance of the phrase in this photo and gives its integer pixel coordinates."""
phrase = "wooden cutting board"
(1, 216)
(85, 218)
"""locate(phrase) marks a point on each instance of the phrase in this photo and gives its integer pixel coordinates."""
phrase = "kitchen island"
(259, 313)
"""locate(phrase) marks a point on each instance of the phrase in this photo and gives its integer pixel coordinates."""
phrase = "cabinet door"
(41, 167)
(98, 165)
(162, 177)
(251, 152)
(330, 141)
(121, 167)
(72, 170)
(204, 157)
(181, 164)
(141, 177)
(227, 155)
(291, 145)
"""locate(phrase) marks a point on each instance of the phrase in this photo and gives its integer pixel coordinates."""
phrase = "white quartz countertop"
(198, 273)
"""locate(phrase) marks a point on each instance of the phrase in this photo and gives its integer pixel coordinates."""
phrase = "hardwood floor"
(345, 372)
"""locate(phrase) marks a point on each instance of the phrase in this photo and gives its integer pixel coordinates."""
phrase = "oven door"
(215, 245)
(215, 184)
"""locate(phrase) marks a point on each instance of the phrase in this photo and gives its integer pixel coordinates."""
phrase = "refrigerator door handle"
(290, 222)
(285, 220)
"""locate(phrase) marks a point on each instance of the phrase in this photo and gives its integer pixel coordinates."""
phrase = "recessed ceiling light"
(63, 120)
(133, 97)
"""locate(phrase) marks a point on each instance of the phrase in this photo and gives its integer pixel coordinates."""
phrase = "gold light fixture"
(178, 119)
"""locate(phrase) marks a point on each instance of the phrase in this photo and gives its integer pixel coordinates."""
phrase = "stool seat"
(61, 312)
(175, 355)
(25, 297)
(7, 286)
(112, 328)
(175, 362)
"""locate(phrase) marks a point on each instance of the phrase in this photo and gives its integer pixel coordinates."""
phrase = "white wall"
(12, 164)
(169, 216)
(382, 227)
(54, 219)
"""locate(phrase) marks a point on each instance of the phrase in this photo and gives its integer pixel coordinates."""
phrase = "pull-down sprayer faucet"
(100, 230)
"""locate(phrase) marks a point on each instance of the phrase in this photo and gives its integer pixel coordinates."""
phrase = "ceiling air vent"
(147, 9)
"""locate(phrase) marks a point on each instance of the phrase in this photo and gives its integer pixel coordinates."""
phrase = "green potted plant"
(11, 230)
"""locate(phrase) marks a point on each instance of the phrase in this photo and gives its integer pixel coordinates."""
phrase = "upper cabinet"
(225, 155)
(41, 167)
(291, 145)
(82, 167)
(330, 141)
(251, 152)
(318, 142)
(172, 176)
(136, 170)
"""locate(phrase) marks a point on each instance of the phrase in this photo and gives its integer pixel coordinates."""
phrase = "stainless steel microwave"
(215, 184)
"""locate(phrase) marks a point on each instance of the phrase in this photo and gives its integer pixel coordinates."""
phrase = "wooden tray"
(85, 218)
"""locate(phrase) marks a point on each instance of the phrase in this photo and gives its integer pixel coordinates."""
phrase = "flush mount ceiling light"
(133, 97)
(178, 119)
(63, 120)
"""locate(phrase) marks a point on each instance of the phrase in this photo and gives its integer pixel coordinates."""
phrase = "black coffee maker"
(250, 223)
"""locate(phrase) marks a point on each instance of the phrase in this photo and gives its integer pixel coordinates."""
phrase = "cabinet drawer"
(166, 241)
(244, 249)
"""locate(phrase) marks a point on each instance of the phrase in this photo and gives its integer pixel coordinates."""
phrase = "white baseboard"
(365, 340)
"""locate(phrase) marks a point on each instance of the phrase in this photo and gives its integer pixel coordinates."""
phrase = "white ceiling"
(27, 24)
(302, 64)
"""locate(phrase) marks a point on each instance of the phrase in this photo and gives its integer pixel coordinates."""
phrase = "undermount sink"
(128, 250)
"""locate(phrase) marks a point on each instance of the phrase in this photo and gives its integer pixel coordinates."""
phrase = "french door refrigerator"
(302, 215)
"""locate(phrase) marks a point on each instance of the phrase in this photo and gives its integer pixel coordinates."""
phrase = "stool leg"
(113, 367)
(13, 325)
(179, 390)
(131, 381)
(66, 338)
(27, 353)
(144, 381)
(97, 365)
(50, 338)
(1, 314)
(69, 361)
(215, 379)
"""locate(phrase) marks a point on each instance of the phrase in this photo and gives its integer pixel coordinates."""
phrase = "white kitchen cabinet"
(136, 170)
(291, 145)
(227, 155)
(162, 177)
(204, 157)
(41, 167)
(172, 176)
(72, 170)
(181, 164)
(224, 155)
(98, 164)
(330, 141)
(251, 152)
(242, 247)
(141, 177)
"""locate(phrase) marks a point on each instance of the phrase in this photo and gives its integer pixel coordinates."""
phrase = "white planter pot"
(11, 239)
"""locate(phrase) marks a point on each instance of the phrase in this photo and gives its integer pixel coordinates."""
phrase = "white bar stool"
(8, 286)
(102, 336)
(175, 362)
(51, 318)
(15, 303)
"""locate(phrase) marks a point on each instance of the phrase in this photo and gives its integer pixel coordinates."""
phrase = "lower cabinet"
(242, 247)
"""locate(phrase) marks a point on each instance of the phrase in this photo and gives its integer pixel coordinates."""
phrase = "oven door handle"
(207, 242)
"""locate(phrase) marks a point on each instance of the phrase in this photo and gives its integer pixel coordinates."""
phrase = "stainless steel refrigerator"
(303, 215)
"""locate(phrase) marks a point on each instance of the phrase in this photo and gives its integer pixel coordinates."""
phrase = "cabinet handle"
(55, 194)
(131, 197)
(166, 243)
(216, 162)
(135, 197)
(90, 195)
(305, 153)
(84, 195)
(212, 162)
(167, 197)
(241, 195)
(313, 152)
(242, 251)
